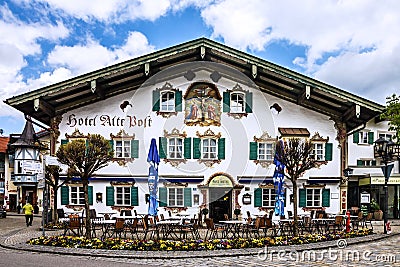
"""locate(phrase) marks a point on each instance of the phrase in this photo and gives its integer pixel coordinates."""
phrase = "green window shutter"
(163, 196)
(64, 141)
(196, 148)
(64, 195)
(302, 197)
(163, 145)
(258, 197)
(328, 151)
(134, 196)
(178, 100)
(253, 151)
(187, 146)
(249, 102)
(111, 142)
(360, 162)
(326, 196)
(156, 100)
(110, 196)
(221, 148)
(371, 138)
(226, 102)
(356, 137)
(90, 193)
(134, 149)
(187, 197)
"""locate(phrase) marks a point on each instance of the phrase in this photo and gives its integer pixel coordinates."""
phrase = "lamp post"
(386, 150)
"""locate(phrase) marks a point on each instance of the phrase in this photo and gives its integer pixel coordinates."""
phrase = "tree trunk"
(87, 210)
(55, 214)
(296, 226)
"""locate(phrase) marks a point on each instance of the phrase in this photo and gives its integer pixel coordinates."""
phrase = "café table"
(322, 223)
(167, 228)
(232, 227)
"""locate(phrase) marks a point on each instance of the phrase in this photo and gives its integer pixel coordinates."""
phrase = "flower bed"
(188, 245)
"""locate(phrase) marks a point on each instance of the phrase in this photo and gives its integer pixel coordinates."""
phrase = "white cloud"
(359, 37)
(82, 58)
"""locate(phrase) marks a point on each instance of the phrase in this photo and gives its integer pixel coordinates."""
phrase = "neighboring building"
(3, 180)
(216, 114)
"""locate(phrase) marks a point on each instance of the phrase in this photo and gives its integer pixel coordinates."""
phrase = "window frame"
(237, 107)
(385, 135)
(271, 193)
(176, 197)
(123, 147)
(125, 199)
(312, 192)
(318, 154)
(80, 198)
(271, 149)
(169, 102)
(209, 148)
(176, 147)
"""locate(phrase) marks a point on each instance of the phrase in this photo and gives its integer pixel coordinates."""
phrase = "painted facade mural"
(202, 105)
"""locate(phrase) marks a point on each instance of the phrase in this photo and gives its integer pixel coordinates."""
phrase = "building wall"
(106, 117)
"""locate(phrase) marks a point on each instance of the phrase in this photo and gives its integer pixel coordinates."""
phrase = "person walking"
(28, 211)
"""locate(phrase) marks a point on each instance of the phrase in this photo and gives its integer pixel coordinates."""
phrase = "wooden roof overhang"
(49, 101)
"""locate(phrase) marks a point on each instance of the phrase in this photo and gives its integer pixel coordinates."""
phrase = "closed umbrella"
(279, 177)
(154, 159)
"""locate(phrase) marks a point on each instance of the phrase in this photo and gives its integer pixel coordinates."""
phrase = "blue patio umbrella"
(279, 177)
(154, 159)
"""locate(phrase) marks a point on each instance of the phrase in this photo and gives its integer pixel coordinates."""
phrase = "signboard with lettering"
(220, 181)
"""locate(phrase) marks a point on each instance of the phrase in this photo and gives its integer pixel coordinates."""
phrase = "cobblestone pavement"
(374, 250)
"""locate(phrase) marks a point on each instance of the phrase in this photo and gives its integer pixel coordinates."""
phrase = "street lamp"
(347, 172)
(386, 150)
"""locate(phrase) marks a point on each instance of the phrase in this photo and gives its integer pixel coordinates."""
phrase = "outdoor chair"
(116, 229)
(149, 227)
(96, 224)
(337, 225)
(214, 229)
(307, 225)
(368, 220)
(74, 226)
(359, 221)
(269, 226)
(131, 227)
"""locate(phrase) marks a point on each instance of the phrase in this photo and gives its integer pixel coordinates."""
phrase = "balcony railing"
(24, 178)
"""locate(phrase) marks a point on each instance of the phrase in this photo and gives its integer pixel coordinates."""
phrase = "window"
(77, 195)
(318, 152)
(265, 151)
(237, 104)
(175, 148)
(364, 137)
(313, 197)
(268, 197)
(123, 195)
(209, 148)
(122, 148)
(387, 136)
(175, 197)
(167, 101)
(366, 162)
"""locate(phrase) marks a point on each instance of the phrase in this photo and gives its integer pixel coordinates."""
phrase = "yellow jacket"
(28, 209)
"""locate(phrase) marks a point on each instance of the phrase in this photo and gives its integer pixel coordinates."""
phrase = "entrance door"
(220, 203)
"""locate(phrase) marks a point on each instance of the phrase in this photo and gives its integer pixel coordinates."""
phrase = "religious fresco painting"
(202, 105)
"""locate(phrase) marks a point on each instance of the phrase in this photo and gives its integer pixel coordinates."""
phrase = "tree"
(392, 114)
(52, 178)
(296, 155)
(83, 159)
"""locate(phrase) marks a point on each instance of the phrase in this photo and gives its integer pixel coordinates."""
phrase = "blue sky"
(351, 44)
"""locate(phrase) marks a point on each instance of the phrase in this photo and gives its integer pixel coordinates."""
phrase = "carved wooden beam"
(44, 106)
